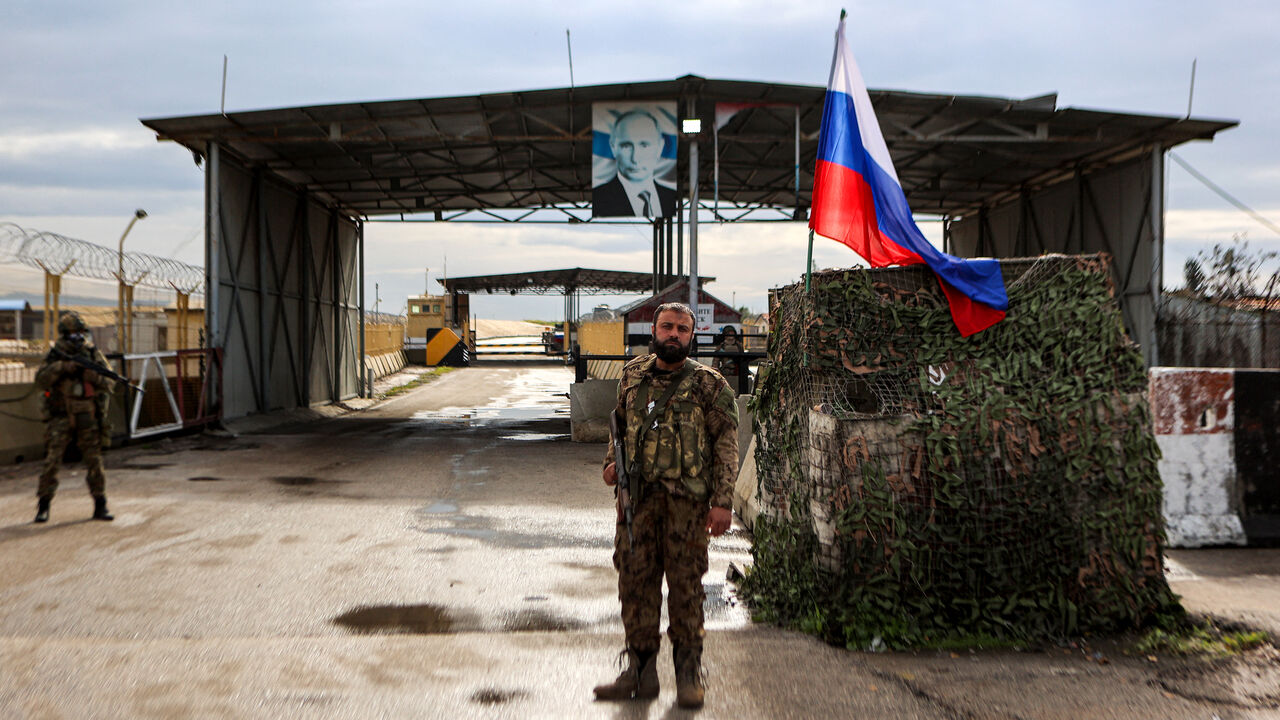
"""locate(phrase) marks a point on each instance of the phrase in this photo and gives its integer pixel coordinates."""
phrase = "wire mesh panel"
(928, 485)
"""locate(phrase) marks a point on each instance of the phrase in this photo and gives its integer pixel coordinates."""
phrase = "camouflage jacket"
(63, 389)
(692, 447)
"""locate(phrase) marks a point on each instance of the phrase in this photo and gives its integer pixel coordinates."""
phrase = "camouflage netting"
(917, 486)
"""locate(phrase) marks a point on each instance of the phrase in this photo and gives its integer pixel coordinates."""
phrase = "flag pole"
(808, 264)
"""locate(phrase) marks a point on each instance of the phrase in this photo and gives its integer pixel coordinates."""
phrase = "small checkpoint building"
(713, 316)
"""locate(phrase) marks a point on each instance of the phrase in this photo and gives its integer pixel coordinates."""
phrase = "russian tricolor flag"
(857, 200)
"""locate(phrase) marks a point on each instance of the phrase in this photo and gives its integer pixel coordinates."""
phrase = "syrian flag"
(857, 200)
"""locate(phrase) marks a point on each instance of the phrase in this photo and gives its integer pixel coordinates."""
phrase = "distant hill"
(82, 300)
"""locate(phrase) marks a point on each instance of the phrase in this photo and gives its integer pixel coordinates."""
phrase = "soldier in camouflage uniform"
(75, 403)
(729, 343)
(686, 461)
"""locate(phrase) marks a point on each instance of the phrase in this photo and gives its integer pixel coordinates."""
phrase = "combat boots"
(638, 680)
(42, 509)
(100, 508)
(689, 688)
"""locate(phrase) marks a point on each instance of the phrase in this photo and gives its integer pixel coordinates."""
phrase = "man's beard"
(672, 351)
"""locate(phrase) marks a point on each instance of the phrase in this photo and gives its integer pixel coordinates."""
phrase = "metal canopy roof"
(498, 155)
(559, 282)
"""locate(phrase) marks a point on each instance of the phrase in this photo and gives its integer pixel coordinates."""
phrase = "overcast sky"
(77, 77)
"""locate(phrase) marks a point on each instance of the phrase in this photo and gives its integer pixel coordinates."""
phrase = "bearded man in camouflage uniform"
(686, 460)
(75, 404)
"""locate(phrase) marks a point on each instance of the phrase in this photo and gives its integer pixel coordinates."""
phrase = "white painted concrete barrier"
(1193, 414)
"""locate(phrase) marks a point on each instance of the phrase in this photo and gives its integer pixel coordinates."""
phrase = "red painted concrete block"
(1192, 401)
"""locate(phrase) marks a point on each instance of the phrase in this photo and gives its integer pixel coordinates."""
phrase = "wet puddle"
(428, 619)
(495, 696)
(535, 437)
(723, 609)
(398, 620)
(302, 481)
(489, 415)
(133, 465)
(534, 395)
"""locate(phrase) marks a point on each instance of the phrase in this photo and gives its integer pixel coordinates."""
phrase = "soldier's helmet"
(71, 322)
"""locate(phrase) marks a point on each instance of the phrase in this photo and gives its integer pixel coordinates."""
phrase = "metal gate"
(181, 389)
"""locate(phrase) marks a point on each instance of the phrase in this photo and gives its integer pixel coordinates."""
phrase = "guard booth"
(633, 332)
(437, 330)
(714, 315)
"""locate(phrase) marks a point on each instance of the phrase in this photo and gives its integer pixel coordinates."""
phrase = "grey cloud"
(132, 169)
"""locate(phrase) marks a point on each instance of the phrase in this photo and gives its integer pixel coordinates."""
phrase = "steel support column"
(212, 247)
(654, 263)
(693, 228)
(670, 272)
(1157, 250)
(264, 359)
(212, 256)
(679, 238)
(305, 281)
(366, 390)
(659, 264)
(335, 250)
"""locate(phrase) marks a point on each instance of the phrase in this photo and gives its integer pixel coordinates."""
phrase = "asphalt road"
(446, 553)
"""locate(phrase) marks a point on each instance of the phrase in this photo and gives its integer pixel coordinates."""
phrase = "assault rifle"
(625, 487)
(91, 365)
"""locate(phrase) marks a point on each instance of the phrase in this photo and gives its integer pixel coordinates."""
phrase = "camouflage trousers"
(671, 540)
(58, 432)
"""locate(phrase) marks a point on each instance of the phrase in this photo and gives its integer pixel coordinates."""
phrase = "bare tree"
(1230, 273)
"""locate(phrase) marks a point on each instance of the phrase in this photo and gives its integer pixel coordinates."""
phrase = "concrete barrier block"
(745, 503)
(589, 431)
(21, 429)
(386, 363)
(590, 403)
(1200, 507)
(1193, 416)
(745, 423)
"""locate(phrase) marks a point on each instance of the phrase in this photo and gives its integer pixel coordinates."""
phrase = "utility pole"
(124, 292)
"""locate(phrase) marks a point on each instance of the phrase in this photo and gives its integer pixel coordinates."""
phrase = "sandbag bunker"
(917, 486)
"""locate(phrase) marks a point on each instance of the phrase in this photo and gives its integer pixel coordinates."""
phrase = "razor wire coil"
(59, 254)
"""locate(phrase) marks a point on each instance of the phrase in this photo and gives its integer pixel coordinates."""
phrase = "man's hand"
(718, 520)
(611, 474)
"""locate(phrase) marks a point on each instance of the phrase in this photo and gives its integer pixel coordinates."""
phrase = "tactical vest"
(678, 448)
(71, 395)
